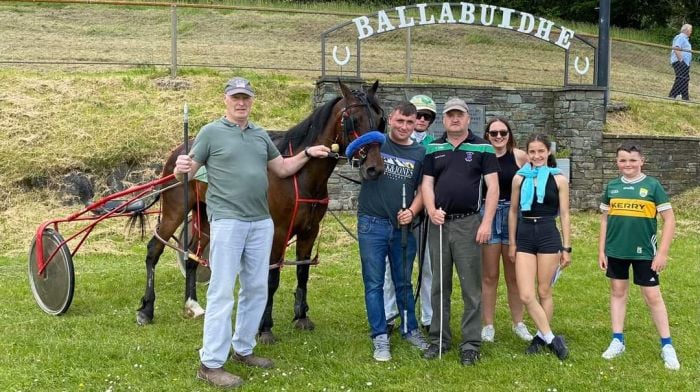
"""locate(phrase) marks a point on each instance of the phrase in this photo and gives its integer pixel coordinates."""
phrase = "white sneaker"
(615, 349)
(382, 352)
(520, 329)
(488, 333)
(668, 353)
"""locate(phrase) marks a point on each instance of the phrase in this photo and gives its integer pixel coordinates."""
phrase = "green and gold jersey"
(632, 207)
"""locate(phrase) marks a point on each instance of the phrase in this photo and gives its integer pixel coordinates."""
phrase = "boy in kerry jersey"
(629, 207)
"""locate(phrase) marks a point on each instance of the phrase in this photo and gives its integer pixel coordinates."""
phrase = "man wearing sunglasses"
(426, 110)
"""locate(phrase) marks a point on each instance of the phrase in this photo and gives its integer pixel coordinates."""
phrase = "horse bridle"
(347, 122)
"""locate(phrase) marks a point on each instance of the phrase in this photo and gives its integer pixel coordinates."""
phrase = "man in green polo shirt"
(237, 155)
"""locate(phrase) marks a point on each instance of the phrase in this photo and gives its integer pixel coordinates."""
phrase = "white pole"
(441, 303)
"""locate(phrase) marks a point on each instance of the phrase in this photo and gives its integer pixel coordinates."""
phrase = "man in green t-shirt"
(630, 205)
(237, 155)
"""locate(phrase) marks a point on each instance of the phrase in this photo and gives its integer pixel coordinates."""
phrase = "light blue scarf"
(527, 188)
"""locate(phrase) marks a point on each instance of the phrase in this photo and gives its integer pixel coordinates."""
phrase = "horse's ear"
(347, 94)
(373, 89)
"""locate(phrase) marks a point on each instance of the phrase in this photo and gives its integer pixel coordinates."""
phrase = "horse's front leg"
(265, 335)
(192, 308)
(301, 320)
(305, 246)
(144, 315)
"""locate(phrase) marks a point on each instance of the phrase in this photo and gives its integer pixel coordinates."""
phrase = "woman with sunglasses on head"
(540, 193)
(510, 159)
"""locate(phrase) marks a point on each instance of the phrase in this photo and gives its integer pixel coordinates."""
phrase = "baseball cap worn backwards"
(424, 102)
(455, 104)
(239, 85)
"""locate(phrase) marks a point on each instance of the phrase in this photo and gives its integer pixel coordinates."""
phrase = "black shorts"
(643, 274)
(538, 235)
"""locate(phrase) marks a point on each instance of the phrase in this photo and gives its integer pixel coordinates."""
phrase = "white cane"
(441, 303)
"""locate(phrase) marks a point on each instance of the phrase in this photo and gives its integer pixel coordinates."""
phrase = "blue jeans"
(378, 239)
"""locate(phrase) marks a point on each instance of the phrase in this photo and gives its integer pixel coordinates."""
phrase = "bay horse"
(338, 121)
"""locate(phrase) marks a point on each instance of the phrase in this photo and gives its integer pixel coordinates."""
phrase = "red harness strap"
(297, 200)
(197, 228)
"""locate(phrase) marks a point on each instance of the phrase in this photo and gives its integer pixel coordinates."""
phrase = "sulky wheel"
(52, 289)
(203, 272)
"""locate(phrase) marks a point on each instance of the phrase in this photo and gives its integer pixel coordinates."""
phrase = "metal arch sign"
(467, 14)
(464, 13)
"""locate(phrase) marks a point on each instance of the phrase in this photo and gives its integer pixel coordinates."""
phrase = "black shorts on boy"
(643, 274)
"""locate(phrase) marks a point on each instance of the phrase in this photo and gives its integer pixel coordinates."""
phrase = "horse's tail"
(138, 217)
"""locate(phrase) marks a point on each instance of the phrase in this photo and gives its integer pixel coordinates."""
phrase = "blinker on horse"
(297, 203)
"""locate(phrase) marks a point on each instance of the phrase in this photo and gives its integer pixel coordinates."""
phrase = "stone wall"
(674, 160)
(573, 117)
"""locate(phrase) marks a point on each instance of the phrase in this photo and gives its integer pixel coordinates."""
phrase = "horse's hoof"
(192, 309)
(304, 324)
(142, 319)
(266, 337)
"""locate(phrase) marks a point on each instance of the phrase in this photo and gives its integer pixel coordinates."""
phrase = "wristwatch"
(567, 250)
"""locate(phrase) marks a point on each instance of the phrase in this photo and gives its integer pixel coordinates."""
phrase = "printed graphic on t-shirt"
(398, 168)
(632, 207)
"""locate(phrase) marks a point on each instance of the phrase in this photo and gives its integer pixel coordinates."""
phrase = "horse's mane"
(307, 131)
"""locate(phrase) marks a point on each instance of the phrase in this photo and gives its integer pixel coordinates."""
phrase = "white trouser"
(426, 310)
(237, 248)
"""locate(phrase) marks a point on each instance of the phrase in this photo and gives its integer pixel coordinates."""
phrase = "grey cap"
(239, 85)
(455, 104)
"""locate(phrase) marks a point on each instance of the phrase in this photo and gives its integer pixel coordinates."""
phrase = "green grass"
(93, 119)
(668, 119)
(97, 345)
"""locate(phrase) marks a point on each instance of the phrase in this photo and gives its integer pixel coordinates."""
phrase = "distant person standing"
(630, 205)
(425, 116)
(680, 61)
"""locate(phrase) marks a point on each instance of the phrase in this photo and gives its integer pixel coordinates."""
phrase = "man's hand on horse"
(318, 151)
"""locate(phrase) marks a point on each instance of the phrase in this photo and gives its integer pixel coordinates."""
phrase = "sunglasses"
(629, 147)
(425, 116)
(501, 133)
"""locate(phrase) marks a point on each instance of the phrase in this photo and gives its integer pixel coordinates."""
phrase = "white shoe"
(615, 349)
(382, 352)
(520, 329)
(488, 333)
(668, 353)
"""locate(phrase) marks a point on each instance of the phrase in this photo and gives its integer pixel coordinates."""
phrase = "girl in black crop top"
(510, 159)
(540, 192)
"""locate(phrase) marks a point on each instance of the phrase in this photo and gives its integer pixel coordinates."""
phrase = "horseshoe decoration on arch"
(337, 60)
(585, 68)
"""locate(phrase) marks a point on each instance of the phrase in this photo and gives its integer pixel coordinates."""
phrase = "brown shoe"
(219, 377)
(252, 360)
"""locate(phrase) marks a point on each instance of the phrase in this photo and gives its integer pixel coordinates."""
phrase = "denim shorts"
(499, 227)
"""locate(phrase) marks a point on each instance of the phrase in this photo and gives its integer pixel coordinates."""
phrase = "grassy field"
(97, 346)
(93, 118)
(81, 34)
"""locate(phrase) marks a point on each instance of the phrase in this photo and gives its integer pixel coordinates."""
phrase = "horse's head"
(360, 113)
